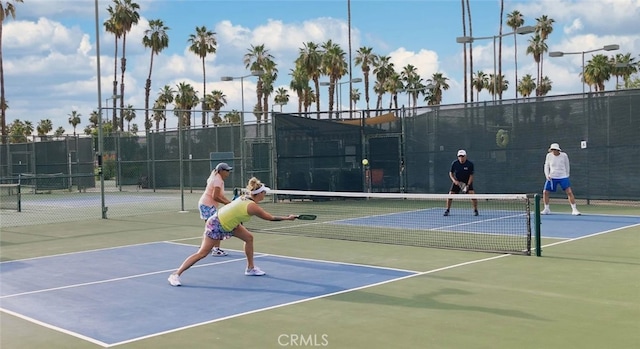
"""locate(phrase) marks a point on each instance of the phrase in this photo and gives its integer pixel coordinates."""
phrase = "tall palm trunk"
(515, 49)
(499, 87)
(316, 83)
(470, 51)
(2, 97)
(204, 92)
(464, 33)
(147, 91)
(115, 84)
(366, 89)
(124, 68)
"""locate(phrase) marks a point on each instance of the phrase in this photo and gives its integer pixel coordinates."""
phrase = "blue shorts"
(206, 211)
(213, 229)
(552, 185)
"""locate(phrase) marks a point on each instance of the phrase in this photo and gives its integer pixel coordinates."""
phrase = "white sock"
(573, 206)
(546, 206)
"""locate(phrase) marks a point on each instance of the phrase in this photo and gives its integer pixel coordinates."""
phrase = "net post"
(537, 225)
(19, 199)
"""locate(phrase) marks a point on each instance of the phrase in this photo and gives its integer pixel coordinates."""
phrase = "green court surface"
(582, 293)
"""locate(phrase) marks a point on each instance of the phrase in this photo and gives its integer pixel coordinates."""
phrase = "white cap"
(554, 146)
(462, 152)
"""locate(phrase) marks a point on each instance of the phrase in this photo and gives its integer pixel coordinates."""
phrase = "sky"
(50, 62)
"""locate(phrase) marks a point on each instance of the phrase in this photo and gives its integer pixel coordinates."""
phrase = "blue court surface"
(118, 295)
(557, 225)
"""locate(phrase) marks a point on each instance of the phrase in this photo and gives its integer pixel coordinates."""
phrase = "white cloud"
(425, 61)
(575, 26)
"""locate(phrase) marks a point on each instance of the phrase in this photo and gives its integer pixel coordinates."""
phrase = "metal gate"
(386, 163)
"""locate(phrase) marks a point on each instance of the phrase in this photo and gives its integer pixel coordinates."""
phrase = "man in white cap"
(556, 171)
(461, 175)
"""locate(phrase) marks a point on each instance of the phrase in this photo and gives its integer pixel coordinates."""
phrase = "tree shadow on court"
(430, 301)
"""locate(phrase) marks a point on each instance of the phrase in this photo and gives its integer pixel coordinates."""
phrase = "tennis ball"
(365, 162)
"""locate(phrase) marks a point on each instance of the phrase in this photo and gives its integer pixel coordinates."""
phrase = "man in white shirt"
(556, 171)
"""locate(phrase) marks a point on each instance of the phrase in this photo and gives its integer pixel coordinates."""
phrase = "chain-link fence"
(407, 150)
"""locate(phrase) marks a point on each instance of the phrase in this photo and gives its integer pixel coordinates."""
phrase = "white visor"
(260, 190)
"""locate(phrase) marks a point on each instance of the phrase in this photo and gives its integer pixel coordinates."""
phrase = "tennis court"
(96, 283)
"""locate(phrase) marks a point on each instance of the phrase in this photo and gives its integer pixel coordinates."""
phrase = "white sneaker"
(254, 272)
(545, 211)
(174, 280)
(576, 213)
(218, 252)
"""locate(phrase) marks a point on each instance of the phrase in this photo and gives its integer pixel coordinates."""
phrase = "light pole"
(231, 78)
(604, 48)
(101, 153)
(339, 99)
(527, 29)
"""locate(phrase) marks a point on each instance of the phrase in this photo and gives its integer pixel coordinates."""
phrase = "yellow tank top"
(231, 215)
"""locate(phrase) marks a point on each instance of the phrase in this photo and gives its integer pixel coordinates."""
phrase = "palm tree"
(93, 118)
(544, 27)
(544, 86)
(157, 39)
(59, 132)
(282, 97)
(354, 97)
(257, 59)
(526, 85)
(515, 20)
(365, 58)
(440, 84)
(382, 69)
(310, 60)
(480, 81)
(497, 84)
(129, 114)
(299, 81)
(7, 9)
(268, 78)
(165, 97)
(127, 16)
(28, 128)
(309, 98)
(186, 98)
(74, 120)
(537, 47)
(215, 101)
(412, 81)
(16, 133)
(232, 117)
(44, 126)
(158, 113)
(597, 71)
(393, 85)
(202, 43)
(335, 66)
(626, 68)
(112, 25)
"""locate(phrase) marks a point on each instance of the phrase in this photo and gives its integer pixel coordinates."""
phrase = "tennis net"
(10, 197)
(503, 224)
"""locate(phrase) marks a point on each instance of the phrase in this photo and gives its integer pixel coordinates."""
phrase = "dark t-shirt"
(461, 172)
